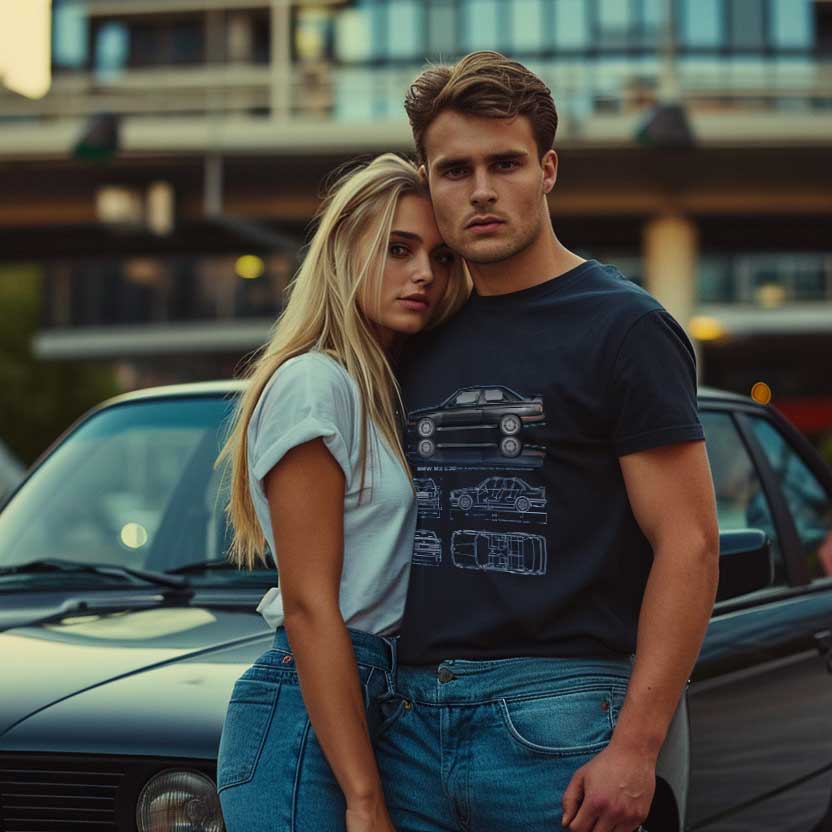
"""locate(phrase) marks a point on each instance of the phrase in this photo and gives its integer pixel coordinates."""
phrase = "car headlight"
(179, 801)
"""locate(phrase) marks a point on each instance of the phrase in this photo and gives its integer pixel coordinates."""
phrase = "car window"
(809, 503)
(134, 485)
(741, 502)
(494, 395)
(468, 397)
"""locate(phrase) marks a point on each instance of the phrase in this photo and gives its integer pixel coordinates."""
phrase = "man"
(556, 417)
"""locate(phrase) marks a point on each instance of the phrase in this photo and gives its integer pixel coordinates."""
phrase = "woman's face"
(415, 275)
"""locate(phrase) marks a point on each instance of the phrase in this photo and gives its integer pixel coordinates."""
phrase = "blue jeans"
(489, 746)
(271, 772)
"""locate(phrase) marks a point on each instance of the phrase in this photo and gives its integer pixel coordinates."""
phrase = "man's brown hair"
(481, 84)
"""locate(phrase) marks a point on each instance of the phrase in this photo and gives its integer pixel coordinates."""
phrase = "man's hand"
(611, 793)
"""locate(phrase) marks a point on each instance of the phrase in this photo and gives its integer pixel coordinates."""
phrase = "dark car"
(515, 552)
(122, 630)
(503, 495)
(427, 548)
(478, 426)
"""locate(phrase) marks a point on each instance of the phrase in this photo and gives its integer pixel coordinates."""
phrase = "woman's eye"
(398, 250)
(445, 258)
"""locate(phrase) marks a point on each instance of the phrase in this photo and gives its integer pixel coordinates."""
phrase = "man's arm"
(671, 494)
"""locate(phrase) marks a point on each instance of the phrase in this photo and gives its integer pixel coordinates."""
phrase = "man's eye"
(455, 173)
(398, 250)
(507, 164)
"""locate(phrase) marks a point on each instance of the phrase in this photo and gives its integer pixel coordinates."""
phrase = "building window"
(442, 37)
(747, 22)
(70, 35)
(481, 24)
(313, 35)
(354, 35)
(571, 24)
(701, 24)
(164, 43)
(405, 29)
(615, 23)
(823, 27)
(528, 26)
(112, 48)
(790, 24)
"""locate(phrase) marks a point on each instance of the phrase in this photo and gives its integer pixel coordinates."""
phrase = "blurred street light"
(706, 328)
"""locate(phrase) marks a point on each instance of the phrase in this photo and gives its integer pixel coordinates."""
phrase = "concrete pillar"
(670, 249)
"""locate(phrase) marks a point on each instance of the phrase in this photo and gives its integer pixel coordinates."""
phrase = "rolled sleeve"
(308, 398)
(653, 389)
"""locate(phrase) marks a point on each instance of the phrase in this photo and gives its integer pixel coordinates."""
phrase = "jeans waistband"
(369, 649)
(460, 681)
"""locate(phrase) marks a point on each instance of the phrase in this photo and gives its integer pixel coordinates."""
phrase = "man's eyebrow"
(444, 164)
(408, 235)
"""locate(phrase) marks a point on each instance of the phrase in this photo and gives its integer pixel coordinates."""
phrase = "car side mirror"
(746, 563)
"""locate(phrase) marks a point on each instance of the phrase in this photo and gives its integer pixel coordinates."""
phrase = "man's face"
(487, 184)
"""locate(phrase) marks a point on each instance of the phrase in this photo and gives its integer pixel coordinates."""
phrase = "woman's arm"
(305, 491)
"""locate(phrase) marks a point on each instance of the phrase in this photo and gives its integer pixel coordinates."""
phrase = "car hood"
(150, 681)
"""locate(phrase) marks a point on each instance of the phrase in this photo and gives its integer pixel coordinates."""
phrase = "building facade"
(169, 249)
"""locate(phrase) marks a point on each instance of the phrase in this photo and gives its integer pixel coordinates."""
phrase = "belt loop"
(393, 643)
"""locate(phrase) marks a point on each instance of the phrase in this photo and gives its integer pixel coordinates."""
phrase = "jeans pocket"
(387, 712)
(247, 720)
(384, 705)
(561, 724)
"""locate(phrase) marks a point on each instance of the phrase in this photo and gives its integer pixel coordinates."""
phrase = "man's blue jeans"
(490, 746)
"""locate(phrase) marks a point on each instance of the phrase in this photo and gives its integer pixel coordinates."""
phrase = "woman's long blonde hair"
(347, 253)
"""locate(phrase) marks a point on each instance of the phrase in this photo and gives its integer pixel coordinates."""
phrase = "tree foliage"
(38, 398)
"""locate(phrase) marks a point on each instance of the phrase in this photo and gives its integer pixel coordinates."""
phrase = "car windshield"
(132, 486)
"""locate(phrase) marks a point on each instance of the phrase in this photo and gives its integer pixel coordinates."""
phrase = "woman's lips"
(415, 305)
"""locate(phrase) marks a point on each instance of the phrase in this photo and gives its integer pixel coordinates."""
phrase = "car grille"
(68, 792)
(40, 797)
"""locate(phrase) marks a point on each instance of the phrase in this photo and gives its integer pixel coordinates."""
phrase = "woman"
(319, 473)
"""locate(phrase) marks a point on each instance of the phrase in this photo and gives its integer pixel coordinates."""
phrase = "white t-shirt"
(310, 396)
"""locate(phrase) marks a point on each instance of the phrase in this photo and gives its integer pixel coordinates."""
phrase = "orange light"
(761, 393)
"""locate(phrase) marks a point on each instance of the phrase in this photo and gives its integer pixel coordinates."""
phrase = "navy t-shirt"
(517, 412)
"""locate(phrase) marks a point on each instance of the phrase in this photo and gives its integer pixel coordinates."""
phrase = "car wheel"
(510, 424)
(426, 427)
(465, 502)
(522, 505)
(509, 446)
(426, 448)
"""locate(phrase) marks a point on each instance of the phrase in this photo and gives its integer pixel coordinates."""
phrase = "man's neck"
(546, 259)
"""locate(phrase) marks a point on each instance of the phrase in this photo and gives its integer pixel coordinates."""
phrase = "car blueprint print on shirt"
(428, 497)
(478, 427)
(506, 498)
(427, 548)
(515, 552)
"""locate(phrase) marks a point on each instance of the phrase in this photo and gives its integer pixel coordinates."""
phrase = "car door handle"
(823, 641)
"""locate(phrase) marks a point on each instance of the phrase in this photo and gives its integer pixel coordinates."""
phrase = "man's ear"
(549, 163)
(423, 174)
